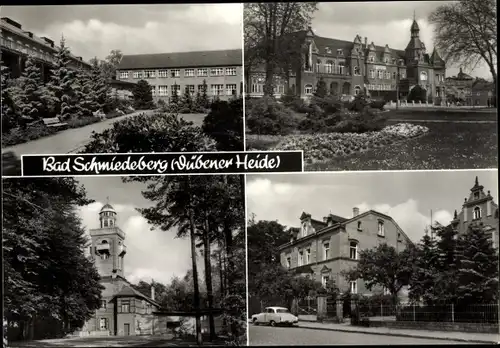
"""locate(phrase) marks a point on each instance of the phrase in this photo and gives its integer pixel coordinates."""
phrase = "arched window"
(381, 229)
(104, 241)
(328, 67)
(357, 89)
(341, 68)
(308, 89)
(353, 250)
(105, 223)
(423, 76)
(477, 213)
(357, 70)
(318, 65)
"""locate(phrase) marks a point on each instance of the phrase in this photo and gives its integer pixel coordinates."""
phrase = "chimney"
(355, 212)
(366, 42)
(152, 292)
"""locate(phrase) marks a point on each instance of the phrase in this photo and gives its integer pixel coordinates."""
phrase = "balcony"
(122, 250)
(103, 248)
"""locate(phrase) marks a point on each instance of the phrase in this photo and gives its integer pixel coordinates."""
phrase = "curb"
(399, 335)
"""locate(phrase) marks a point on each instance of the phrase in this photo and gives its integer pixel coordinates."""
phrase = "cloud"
(408, 216)
(151, 254)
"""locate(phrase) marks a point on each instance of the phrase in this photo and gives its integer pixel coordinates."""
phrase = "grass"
(446, 146)
(197, 119)
(453, 115)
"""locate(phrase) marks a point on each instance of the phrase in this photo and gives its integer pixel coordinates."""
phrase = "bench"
(54, 122)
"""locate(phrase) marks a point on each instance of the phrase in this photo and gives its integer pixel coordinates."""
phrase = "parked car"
(275, 316)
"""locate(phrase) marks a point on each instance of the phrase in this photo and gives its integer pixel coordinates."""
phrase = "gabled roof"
(129, 291)
(182, 59)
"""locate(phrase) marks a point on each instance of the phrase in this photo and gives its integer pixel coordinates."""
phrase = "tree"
(202, 98)
(9, 115)
(423, 279)
(383, 266)
(143, 97)
(174, 99)
(477, 274)
(267, 36)
(417, 93)
(100, 86)
(187, 100)
(47, 275)
(466, 32)
(86, 95)
(224, 123)
(31, 102)
(110, 64)
(446, 264)
(321, 89)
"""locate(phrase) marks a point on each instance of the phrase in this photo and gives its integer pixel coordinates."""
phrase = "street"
(266, 335)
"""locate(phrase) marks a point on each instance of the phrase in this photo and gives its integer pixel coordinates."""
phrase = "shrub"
(224, 123)
(329, 104)
(359, 103)
(82, 122)
(185, 110)
(267, 116)
(417, 94)
(377, 104)
(367, 121)
(32, 132)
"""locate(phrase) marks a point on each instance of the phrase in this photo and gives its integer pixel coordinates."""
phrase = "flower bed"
(321, 147)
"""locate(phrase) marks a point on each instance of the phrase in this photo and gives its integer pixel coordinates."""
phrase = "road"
(288, 336)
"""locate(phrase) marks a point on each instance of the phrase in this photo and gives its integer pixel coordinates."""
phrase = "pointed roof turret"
(455, 216)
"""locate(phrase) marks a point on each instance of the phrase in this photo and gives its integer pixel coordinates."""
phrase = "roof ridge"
(178, 52)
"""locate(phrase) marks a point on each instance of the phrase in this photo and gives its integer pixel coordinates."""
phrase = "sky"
(383, 23)
(151, 254)
(93, 30)
(408, 197)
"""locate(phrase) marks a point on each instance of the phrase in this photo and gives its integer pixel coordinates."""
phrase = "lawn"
(446, 146)
(197, 119)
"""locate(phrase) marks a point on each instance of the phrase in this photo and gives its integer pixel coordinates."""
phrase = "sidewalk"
(442, 335)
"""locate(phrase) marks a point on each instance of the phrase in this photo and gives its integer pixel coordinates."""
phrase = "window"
(125, 306)
(176, 89)
(123, 74)
(318, 65)
(353, 250)
(308, 256)
(324, 280)
(387, 75)
(326, 251)
(328, 50)
(301, 258)
(153, 91)
(381, 229)
(372, 74)
(328, 67)
(288, 262)
(386, 60)
(354, 287)
(103, 304)
(163, 73)
(105, 223)
(189, 72)
(231, 89)
(394, 75)
(230, 71)
(357, 89)
(103, 324)
(403, 74)
(190, 89)
(423, 76)
(216, 72)
(341, 68)
(175, 73)
(380, 74)
(148, 308)
(340, 52)
(357, 71)
(163, 90)
(217, 89)
(202, 72)
(308, 89)
(371, 59)
(137, 74)
(437, 78)
(477, 213)
(201, 88)
(476, 195)
(104, 256)
(359, 225)
(149, 74)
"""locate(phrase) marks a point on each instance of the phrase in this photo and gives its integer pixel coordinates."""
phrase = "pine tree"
(85, 95)
(321, 90)
(100, 86)
(204, 102)
(446, 265)
(423, 278)
(174, 100)
(143, 97)
(30, 102)
(477, 274)
(9, 115)
(187, 100)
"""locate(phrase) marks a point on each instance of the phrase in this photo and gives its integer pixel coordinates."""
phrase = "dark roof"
(182, 59)
(318, 225)
(129, 291)
(414, 26)
(463, 76)
(336, 218)
(119, 83)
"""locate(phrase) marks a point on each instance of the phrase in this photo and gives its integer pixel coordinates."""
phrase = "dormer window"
(359, 225)
(288, 262)
(393, 60)
(304, 229)
(328, 50)
(340, 52)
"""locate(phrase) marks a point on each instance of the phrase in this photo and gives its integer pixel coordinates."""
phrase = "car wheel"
(272, 323)
(255, 322)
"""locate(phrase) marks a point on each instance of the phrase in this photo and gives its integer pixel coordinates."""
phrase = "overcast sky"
(381, 22)
(93, 30)
(150, 254)
(408, 197)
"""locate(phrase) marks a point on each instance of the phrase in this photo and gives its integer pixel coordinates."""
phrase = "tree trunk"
(196, 300)
(208, 279)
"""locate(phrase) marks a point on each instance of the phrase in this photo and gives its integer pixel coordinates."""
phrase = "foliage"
(109, 65)
(383, 266)
(31, 102)
(321, 89)
(266, 116)
(201, 101)
(21, 135)
(86, 95)
(417, 93)
(9, 112)
(224, 123)
(423, 277)
(47, 274)
(187, 101)
(174, 104)
(466, 33)
(143, 97)
(99, 86)
(359, 103)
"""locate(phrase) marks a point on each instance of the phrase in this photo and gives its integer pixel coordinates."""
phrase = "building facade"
(351, 67)
(124, 311)
(323, 249)
(173, 73)
(483, 93)
(459, 88)
(17, 44)
(481, 210)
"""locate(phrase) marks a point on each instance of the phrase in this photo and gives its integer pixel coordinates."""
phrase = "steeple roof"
(414, 26)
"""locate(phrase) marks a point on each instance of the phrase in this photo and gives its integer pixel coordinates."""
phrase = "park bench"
(54, 122)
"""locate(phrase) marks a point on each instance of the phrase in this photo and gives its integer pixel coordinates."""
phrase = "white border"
(243, 94)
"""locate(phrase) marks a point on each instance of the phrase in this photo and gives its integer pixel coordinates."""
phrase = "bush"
(82, 122)
(32, 132)
(367, 121)
(359, 103)
(295, 103)
(266, 116)
(329, 104)
(224, 123)
(377, 104)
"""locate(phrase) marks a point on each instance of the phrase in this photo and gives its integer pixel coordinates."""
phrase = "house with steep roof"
(350, 67)
(322, 249)
(178, 72)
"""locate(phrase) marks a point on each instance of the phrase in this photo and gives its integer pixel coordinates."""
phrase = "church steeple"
(416, 49)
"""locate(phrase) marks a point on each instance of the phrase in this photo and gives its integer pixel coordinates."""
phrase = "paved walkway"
(443, 335)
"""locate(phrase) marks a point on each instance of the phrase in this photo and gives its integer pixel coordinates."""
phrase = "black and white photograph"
(373, 258)
(77, 77)
(124, 262)
(399, 85)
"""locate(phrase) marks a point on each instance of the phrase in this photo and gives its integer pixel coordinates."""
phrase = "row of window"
(353, 285)
(259, 88)
(125, 306)
(371, 57)
(164, 73)
(215, 89)
(380, 87)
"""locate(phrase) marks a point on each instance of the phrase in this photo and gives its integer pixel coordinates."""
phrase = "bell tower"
(107, 244)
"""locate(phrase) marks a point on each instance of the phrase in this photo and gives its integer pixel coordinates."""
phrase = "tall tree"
(9, 115)
(224, 123)
(110, 64)
(423, 279)
(466, 33)
(143, 97)
(321, 89)
(187, 99)
(31, 101)
(86, 95)
(100, 86)
(267, 26)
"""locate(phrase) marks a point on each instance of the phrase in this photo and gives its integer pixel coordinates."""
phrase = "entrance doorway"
(126, 329)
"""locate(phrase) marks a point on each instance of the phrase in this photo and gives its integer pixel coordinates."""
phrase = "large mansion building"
(17, 43)
(174, 73)
(349, 67)
(323, 249)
